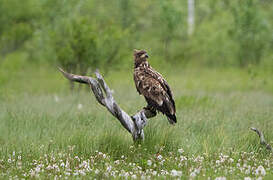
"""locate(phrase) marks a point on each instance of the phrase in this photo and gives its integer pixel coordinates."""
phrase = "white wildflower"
(19, 163)
(97, 171)
(49, 167)
(247, 178)
(113, 173)
(247, 171)
(56, 98)
(193, 174)
(231, 160)
(161, 162)
(79, 106)
(106, 174)
(117, 162)
(180, 151)
(134, 176)
(83, 164)
(260, 170)
(176, 173)
(143, 177)
(37, 169)
(149, 163)
(67, 173)
(109, 168)
(33, 173)
(159, 157)
(220, 178)
(67, 164)
(62, 164)
(82, 172)
(126, 174)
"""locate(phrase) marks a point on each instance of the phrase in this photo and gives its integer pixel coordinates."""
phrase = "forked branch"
(262, 139)
(133, 124)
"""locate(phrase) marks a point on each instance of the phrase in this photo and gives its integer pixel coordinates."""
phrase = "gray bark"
(262, 139)
(133, 124)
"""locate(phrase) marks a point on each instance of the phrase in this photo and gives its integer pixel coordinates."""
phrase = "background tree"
(170, 18)
(249, 31)
(227, 33)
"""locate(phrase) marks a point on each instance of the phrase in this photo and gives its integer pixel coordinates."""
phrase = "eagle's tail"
(172, 118)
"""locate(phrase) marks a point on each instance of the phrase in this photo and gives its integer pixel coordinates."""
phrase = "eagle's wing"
(164, 85)
(151, 84)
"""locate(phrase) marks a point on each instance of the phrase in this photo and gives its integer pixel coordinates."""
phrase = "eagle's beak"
(144, 55)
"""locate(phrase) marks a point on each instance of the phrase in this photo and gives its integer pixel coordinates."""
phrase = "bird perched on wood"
(153, 87)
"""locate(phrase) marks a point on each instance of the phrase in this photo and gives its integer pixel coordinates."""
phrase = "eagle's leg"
(151, 109)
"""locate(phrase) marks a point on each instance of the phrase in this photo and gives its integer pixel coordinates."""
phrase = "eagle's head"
(140, 56)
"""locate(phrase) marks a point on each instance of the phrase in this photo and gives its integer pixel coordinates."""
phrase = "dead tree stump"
(133, 124)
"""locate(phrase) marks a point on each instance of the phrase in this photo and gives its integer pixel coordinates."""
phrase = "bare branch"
(105, 87)
(73, 77)
(95, 87)
(134, 124)
(262, 139)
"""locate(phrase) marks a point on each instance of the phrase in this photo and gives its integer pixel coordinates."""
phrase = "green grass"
(42, 126)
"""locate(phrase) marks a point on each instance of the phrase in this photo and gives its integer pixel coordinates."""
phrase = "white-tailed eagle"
(153, 86)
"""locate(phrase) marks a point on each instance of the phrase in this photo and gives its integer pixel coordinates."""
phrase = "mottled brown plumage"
(153, 86)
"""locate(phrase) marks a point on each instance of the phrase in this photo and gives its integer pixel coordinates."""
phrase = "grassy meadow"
(49, 132)
(217, 56)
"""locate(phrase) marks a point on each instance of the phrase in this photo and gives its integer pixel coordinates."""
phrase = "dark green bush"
(17, 23)
(74, 43)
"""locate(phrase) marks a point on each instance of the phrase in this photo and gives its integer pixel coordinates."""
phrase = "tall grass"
(215, 109)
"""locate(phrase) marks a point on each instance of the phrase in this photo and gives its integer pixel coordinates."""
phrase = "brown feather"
(153, 87)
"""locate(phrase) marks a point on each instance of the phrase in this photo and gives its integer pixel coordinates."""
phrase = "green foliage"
(126, 13)
(17, 23)
(250, 31)
(170, 18)
(211, 44)
(102, 34)
(74, 43)
(15, 37)
(111, 50)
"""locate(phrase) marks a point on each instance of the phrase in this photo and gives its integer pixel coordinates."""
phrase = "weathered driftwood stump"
(133, 124)
(262, 139)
